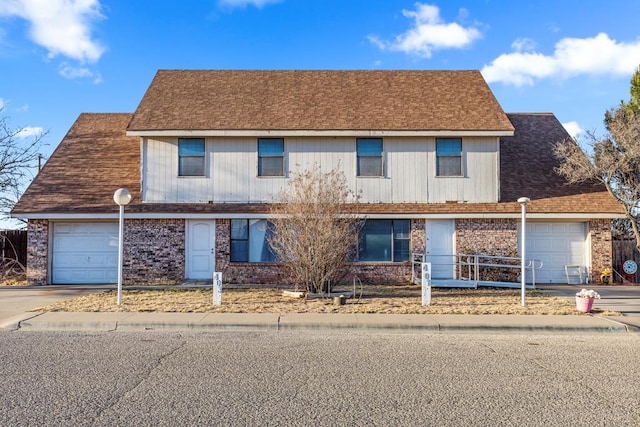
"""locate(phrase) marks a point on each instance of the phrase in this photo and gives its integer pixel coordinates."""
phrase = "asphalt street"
(318, 378)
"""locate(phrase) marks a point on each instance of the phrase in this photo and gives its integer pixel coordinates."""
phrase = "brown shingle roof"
(527, 165)
(319, 100)
(96, 157)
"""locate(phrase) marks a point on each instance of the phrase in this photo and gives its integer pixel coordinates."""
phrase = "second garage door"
(84, 253)
(556, 244)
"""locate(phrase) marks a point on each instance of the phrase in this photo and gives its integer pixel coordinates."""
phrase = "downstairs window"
(249, 241)
(385, 240)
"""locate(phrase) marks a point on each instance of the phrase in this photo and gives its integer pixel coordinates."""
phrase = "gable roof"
(96, 157)
(527, 162)
(243, 100)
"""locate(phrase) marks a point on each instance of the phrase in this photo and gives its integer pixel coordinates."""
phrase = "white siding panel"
(232, 170)
(480, 181)
(408, 169)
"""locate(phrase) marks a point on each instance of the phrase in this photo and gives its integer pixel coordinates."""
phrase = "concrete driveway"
(625, 299)
(14, 300)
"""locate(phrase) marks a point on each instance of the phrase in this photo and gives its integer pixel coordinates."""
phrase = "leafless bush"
(11, 270)
(313, 234)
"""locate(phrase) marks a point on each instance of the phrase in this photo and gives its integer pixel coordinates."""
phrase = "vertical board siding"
(409, 170)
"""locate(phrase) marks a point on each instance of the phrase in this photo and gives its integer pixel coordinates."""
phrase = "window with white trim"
(369, 154)
(191, 158)
(448, 156)
(270, 157)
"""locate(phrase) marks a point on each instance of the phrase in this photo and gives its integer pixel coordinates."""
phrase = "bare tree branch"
(18, 162)
(313, 235)
(613, 160)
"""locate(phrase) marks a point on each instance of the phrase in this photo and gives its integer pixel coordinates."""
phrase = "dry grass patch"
(375, 299)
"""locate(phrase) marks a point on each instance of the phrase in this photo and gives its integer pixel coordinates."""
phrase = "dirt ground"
(373, 299)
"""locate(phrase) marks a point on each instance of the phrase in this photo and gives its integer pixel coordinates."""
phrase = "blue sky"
(59, 58)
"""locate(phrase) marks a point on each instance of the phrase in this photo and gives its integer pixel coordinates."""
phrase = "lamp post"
(122, 197)
(523, 250)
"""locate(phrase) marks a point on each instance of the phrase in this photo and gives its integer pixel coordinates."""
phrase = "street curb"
(14, 323)
(272, 322)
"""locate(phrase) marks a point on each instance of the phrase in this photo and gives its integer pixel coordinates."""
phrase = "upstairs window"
(385, 240)
(191, 157)
(250, 241)
(270, 157)
(448, 157)
(369, 151)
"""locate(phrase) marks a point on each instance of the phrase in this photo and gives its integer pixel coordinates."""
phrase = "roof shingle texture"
(96, 157)
(527, 165)
(319, 100)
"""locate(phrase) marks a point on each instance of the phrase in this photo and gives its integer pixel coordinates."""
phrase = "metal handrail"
(472, 261)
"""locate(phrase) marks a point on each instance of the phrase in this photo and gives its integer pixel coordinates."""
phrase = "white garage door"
(85, 253)
(556, 244)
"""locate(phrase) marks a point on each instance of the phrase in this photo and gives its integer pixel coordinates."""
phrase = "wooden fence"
(624, 250)
(14, 245)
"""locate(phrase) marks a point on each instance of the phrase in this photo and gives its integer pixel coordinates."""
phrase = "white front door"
(200, 253)
(439, 250)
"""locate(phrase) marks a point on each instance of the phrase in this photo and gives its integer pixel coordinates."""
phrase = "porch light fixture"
(122, 197)
(523, 241)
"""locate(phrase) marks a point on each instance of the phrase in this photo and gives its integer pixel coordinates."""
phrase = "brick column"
(601, 247)
(37, 252)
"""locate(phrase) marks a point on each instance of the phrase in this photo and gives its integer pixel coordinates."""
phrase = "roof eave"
(312, 133)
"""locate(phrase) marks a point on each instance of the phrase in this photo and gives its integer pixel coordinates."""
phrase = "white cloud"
(245, 3)
(523, 45)
(70, 72)
(573, 128)
(2, 104)
(28, 131)
(63, 27)
(598, 55)
(429, 33)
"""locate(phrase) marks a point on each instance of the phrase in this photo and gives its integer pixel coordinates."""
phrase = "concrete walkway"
(15, 303)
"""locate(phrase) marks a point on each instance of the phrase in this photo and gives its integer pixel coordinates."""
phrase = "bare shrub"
(313, 234)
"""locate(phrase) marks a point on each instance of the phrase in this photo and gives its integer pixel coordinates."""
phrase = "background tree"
(633, 106)
(313, 234)
(613, 160)
(18, 162)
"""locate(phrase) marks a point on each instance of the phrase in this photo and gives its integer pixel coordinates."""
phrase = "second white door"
(439, 250)
(200, 250)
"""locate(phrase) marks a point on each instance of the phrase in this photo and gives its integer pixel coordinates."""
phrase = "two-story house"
(437, 162)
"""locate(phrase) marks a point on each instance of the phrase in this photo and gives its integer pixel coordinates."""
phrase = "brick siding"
(497, 237)
(154, 251)
(601, 247)
(37, 252)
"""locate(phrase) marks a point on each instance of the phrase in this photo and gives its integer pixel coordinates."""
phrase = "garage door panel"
(85, 260)
(556, 245)
(538, 228)
(84, 253)
(95, 243)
